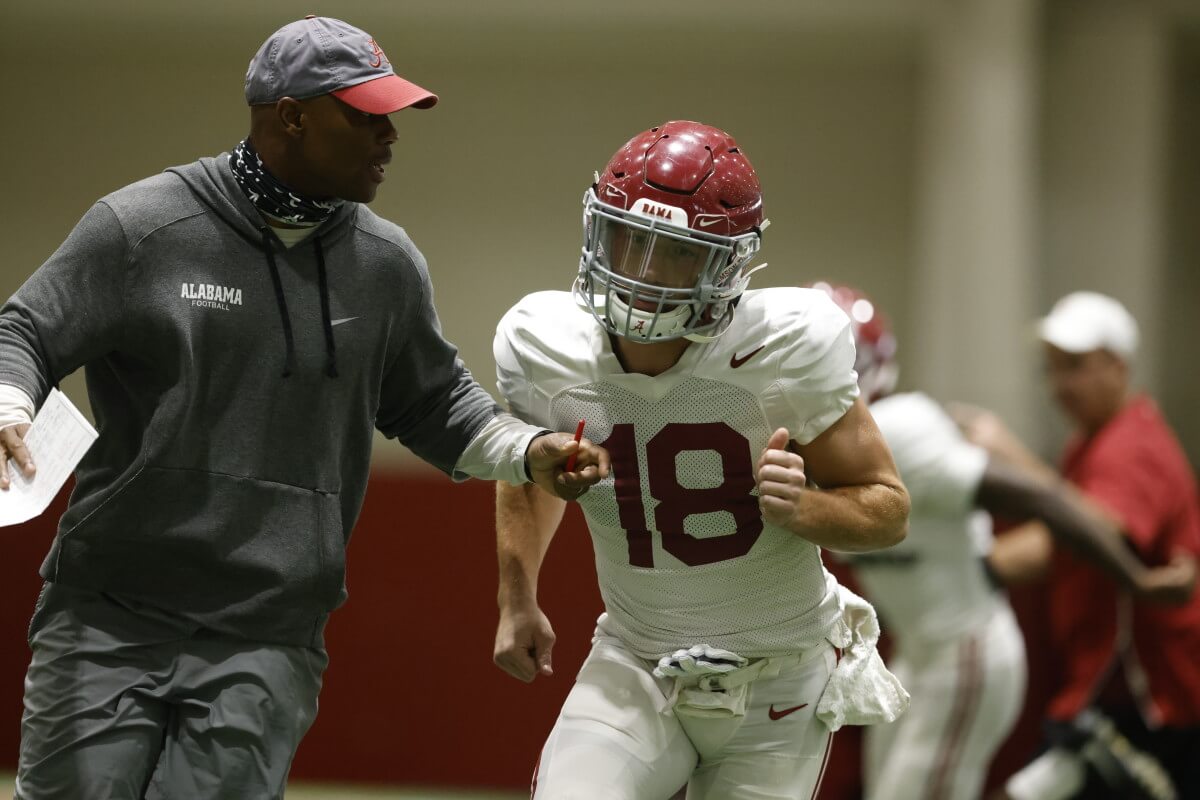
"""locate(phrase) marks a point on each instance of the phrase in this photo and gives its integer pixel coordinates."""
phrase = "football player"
(726, 654)
(958, 649)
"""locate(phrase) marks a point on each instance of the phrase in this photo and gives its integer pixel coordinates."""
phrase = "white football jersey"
(683, 554)
(932, 585)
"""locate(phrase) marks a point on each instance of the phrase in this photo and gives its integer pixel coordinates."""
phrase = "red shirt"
(1134, 468)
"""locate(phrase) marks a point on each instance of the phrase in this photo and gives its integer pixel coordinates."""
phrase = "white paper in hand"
(57, 440)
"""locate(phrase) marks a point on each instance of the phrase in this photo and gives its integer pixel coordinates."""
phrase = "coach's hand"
(547, 458)
(524, 639)
(12, 448)
(781, 480)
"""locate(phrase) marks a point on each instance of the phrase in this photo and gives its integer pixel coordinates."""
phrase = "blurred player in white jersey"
(726, 654)
(958, 649)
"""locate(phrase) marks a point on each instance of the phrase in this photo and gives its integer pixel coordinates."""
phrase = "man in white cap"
(177, 646)
(1124, 717)
(1090, 342)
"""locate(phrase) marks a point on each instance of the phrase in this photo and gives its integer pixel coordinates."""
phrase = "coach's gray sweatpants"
(126, 702)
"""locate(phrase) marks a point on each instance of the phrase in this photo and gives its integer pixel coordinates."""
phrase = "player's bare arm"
(12, 448)
(1011, 492)
(841, 491)
(526, 519)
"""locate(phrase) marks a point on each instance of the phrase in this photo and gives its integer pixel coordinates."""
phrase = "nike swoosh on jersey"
(707, 223)
(735, 362)
(783, 712)
(333, 322)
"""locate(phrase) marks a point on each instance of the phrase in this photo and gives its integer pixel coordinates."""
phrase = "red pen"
(578, 436)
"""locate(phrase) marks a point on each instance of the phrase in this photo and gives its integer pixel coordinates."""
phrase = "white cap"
(1085, 321)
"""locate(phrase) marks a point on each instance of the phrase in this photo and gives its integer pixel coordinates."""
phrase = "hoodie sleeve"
(70, 311)
(429, 399)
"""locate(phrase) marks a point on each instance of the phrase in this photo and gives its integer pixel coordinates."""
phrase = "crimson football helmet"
(669, 228)
(874, 344)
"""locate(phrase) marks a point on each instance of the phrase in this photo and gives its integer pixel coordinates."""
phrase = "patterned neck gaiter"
(270, 196)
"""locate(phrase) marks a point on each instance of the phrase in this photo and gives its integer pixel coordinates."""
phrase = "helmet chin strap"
(642, 325)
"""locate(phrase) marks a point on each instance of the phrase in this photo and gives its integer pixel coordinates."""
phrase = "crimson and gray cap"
(322, 55)
(1086, 321)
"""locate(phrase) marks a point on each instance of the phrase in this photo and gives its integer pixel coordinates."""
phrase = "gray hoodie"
(220, 489)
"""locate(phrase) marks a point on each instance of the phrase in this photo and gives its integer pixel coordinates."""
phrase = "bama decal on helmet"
(649, 208)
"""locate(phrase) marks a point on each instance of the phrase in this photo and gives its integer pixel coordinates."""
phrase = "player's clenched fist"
(781, 480)
(524, 639)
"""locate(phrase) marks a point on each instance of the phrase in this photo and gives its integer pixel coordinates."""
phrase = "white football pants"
(966, 696)
(618, 736)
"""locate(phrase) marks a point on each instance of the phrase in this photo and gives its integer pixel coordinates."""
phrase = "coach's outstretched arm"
(1018, 485)
(840, 491)
(1011, 492)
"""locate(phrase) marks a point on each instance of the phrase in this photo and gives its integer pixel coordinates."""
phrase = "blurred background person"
(958, 649)
(1137, 663)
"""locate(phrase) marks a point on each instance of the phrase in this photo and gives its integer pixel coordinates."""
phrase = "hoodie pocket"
(214, 546)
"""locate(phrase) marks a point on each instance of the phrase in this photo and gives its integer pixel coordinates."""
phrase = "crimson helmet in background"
(669, 228)
(874, 344)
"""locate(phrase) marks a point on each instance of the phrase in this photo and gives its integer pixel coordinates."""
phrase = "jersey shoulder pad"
(543, 343)
(547, 323)
(794, 348)
(790, 329)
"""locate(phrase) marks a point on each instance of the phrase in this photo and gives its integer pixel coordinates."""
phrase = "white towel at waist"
(861, 690)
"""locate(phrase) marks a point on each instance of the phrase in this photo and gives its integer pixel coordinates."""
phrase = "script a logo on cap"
(377, 55)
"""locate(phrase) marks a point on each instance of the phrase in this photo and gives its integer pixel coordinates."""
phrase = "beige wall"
(1179, 298)
(825, 100)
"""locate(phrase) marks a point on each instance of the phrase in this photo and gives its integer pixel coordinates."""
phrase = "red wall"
(411, 695)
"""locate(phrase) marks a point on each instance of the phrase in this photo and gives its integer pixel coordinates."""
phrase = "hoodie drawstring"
(330, 348)
(281, 302)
